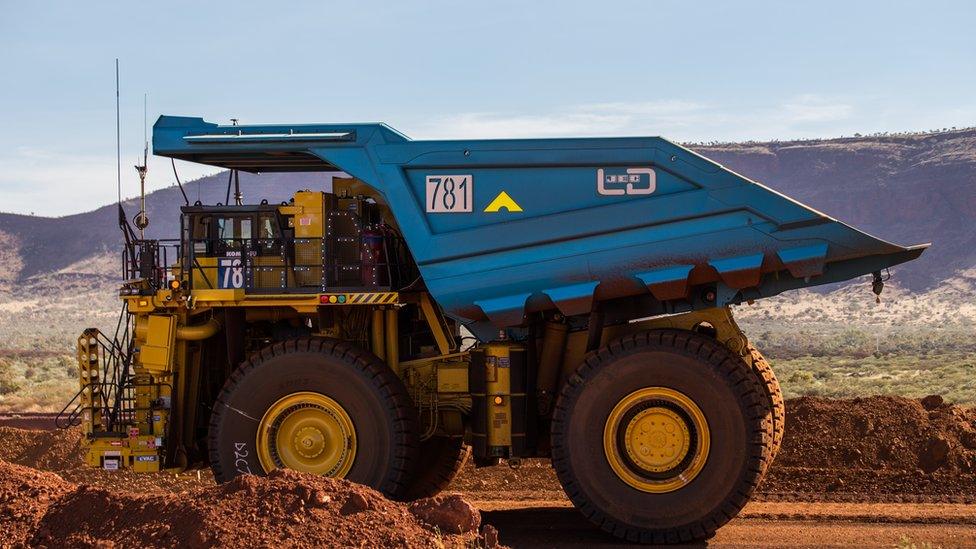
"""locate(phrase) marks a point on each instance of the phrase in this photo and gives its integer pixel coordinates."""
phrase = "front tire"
(317, 405)
(661, 436)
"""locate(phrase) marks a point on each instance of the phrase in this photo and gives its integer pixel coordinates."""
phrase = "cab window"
(232, 232)
(268, 226)
(200, 234)
(268, 236)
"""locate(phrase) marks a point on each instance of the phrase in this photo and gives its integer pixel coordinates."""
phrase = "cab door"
(233, 249)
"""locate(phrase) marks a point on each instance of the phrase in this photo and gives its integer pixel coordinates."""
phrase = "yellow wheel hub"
(656, 439)
(307, 432)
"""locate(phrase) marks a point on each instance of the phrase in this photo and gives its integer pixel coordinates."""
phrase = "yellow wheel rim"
(307, 432)
(656, 440)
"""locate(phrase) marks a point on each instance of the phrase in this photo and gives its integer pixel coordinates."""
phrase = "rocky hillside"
(908, 189)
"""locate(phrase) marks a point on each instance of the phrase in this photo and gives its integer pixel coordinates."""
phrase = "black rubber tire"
(728, 394)
(373, 396)
(774, 393)
(441, 459)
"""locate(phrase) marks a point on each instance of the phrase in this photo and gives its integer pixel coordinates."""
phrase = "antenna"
(142, 220)
(118, 134)
(235, 176)
(127, 233)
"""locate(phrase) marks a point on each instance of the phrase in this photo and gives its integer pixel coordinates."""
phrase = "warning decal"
(503, 201)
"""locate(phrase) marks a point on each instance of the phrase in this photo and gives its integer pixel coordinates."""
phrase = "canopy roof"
(259, 148)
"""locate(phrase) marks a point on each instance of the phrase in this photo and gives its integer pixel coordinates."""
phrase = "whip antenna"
(127, 233)
(118, 135)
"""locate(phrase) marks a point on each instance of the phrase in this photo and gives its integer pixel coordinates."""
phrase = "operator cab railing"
(269, 265)
(148, 265)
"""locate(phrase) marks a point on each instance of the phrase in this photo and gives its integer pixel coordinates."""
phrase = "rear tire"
(728, 410)
(774, 394)
(349, 381)
(441, 459)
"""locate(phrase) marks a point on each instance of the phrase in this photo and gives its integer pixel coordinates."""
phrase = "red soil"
(868, 449)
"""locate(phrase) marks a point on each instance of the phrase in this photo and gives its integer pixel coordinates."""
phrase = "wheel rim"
(656, 439)
(307, 432)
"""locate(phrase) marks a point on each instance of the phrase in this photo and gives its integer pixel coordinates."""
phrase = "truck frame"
(491, 300)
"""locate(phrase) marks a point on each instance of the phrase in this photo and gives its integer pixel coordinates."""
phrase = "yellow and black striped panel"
(369, 298)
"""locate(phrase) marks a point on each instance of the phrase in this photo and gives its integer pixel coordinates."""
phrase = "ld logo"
(635, 181)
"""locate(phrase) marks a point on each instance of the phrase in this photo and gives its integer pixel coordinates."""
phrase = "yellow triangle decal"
(503, 201)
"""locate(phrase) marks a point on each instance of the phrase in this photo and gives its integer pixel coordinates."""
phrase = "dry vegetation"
(39, 324)
(844, 344)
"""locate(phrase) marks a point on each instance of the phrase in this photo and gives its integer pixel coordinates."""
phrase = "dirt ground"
(871, 472)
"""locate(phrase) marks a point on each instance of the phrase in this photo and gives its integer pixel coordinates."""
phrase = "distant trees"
(812, 140)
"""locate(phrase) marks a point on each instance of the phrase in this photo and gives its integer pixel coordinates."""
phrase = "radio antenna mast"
(127, 233)
(142, 220)
(118, 135)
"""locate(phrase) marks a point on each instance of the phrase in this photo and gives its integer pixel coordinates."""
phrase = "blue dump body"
(501, 227)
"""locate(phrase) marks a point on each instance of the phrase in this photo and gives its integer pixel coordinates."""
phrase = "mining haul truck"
(491, 300)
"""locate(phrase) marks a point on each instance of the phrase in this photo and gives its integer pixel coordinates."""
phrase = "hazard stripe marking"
(379, 298)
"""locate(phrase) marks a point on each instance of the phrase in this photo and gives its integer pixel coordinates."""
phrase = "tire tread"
(753, 400)
(383, 380)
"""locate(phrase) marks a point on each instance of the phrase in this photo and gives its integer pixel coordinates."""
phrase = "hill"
(907, 189)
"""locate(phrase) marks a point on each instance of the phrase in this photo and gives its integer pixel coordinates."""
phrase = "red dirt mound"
(25, 495)
(876, 445)
(61, 452)
(283, 509)
(880, 433)
(47, 450)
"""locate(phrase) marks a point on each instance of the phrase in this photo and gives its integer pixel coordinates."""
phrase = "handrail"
(65, 421)
(71, 417)
(114, 373)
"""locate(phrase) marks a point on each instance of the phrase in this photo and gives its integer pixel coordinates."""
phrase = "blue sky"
(689, 71)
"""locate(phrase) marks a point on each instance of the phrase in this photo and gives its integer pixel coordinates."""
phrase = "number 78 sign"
(230, 273)
(449, 193)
